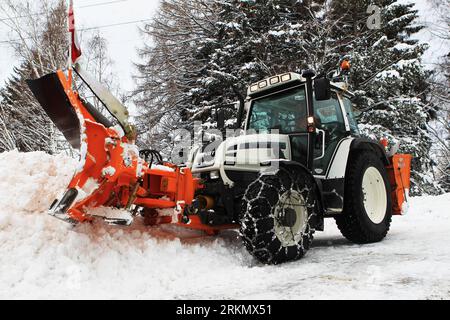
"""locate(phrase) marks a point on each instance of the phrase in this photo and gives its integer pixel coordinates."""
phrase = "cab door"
(332, 129)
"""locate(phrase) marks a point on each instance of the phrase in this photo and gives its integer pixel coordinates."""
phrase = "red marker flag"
(75, 51)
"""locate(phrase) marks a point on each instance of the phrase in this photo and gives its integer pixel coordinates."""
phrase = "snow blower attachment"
(111, 172)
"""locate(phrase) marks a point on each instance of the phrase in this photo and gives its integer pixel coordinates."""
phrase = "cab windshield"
(285, 112)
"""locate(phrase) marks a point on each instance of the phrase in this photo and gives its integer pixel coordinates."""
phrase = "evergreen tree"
(24, 124)
(170, 68)
(441, 93)
(204, 54)
(390, 81)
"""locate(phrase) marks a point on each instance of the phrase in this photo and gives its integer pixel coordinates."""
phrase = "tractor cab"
(280, 104)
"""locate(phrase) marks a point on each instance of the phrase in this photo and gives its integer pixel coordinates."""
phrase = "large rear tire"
(367, 204)
(277, 210)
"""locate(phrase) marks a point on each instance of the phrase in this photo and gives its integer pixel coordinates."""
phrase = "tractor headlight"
(262, 84)
(286, 77)
(254, 88)
(214, 175)
(274, 80)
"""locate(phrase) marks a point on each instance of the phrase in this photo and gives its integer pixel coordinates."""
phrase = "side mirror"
(322, 89)
(220, 114)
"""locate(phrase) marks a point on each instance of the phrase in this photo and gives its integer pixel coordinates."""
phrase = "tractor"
(300, 160)
(280, 187)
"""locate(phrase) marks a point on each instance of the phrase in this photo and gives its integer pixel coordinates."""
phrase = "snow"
(277, 33)
(130, 152)
(88, 189)
(403, 46)
(389, 74)
(432, 14)
(109, 171)
(379, 41)
(162, 168)
(233, 25)
(42, 257)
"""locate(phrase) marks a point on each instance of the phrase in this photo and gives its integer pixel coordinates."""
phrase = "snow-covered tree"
(170, 68)
(388, 76)
(203, 54)
(440, 127)
(40, 41)
(253, 40)
(98, 63)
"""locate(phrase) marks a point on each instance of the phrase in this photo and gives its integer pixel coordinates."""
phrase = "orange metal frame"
(115, 183)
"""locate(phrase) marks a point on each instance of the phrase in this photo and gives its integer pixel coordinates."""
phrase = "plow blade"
(50, 93)
(109, 166)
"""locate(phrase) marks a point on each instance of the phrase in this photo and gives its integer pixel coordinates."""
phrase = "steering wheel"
(331, 130)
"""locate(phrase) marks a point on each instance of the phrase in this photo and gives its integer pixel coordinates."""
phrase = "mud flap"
(49, 91)
(400, 178)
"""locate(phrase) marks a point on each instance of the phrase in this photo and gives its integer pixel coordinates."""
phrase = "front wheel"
(367, 205)
(277, 211)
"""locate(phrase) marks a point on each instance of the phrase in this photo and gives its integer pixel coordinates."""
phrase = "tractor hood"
(243, 153)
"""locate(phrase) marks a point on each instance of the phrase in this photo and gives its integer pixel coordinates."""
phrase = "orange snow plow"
(111, 172)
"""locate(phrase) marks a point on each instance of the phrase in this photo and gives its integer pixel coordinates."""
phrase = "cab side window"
(349, 109)
(329, 117)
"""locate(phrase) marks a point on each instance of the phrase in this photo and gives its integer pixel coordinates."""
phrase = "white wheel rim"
(291, 236)
(374, 193)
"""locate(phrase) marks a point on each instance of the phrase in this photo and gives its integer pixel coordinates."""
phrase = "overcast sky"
(123, 40)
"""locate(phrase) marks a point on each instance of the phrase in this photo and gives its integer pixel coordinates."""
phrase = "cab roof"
(285, 81)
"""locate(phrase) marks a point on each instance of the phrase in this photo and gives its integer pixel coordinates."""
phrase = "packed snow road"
(41, 257)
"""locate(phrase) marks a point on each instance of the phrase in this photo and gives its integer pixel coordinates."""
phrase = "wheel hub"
(374, 193)
(291, 218)
(288, 218)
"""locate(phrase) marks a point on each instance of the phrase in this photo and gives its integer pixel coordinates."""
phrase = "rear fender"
(370, 145)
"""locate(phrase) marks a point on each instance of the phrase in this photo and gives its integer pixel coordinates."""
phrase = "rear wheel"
(277, 211)
(367, 210)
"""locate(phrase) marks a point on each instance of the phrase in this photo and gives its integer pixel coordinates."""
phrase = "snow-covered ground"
(41, 257)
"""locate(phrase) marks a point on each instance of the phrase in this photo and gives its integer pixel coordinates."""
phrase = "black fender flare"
(370, 145)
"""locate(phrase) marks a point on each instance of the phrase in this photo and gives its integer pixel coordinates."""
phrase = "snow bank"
(30, 182)
(41, 257)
